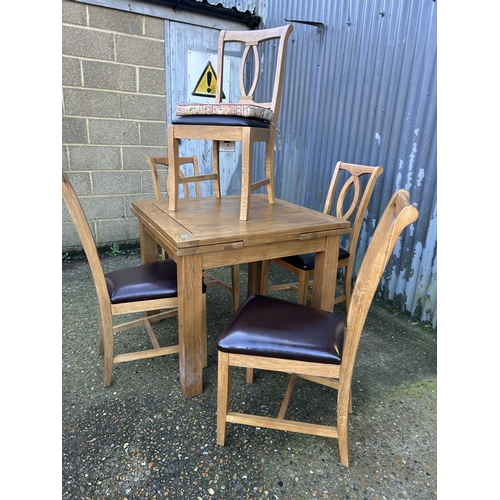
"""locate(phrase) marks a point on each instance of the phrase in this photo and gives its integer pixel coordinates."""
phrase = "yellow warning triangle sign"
(207, 83)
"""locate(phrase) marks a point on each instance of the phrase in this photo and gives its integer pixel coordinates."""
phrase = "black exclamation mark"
(209, 81)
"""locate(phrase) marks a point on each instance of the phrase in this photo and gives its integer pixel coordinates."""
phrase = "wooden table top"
(210, 221)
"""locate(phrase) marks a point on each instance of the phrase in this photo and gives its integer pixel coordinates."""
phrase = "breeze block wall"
(114, 115)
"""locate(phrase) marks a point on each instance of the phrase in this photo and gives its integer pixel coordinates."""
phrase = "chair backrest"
(252, 40)
(82, 228)
(352, 199)
(184, 180)
(398, 214)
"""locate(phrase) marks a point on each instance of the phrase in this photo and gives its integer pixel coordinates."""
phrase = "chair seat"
(220, 120)
(270, 327)
(225, 109)
(305, 261)
(157, 280)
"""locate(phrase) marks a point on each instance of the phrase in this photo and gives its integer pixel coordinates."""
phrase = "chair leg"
(347, 285)
(246, 172)
(343, 404)
(204, 341)
(101, 334)
(108, 345)
(288, 395)
(270, 167)
(303, 287)
(173, 173)
(215, 165)
(235, 280)
(250, 375)
(223, 392)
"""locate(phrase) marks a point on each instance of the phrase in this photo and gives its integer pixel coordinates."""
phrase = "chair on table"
(210, 280)
(246, 120)
(320, 346)
(143, 288)
(352, 202)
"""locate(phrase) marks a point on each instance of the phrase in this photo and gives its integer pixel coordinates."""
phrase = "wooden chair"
(320, 346)
(143, 288)
(246, 120)
(209, 280)
(352, 202)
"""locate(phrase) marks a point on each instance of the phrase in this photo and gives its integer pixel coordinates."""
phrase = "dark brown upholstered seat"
(222, 120)
(156, 280)
(266, 326)
(305, 261)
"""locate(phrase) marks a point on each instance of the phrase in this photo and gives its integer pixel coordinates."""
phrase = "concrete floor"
(141, 439)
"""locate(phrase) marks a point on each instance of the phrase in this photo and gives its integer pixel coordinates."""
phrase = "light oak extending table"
(204, 233)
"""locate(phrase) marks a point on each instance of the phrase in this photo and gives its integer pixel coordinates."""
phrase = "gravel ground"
(141, 438)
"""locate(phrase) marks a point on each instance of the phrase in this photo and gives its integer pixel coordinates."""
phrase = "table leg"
(325, 274)
(190, 318)
(149, 247)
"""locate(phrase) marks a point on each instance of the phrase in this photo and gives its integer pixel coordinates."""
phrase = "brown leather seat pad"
(157, 280)
(271, 327)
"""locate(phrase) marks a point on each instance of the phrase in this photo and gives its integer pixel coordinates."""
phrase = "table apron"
(237, 252)
(260, 252)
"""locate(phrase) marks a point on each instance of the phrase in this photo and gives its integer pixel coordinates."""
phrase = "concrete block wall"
(113, 115)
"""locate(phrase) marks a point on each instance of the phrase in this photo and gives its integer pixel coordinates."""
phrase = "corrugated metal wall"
(361, 87)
